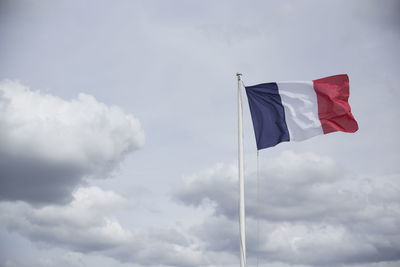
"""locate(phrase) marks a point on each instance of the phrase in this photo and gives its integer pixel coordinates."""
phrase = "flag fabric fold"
(296, 111)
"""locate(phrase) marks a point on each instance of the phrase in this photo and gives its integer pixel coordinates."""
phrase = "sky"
(118, 134)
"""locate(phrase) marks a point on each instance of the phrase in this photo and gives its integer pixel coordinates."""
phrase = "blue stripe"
(268, 114)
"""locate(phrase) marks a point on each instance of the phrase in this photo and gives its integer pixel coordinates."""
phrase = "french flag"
(296, 111)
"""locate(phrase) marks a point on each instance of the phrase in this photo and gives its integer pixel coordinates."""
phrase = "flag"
(296, 111)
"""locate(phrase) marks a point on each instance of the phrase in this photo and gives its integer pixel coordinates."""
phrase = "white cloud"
(81, 131)
(310, 211)
(81, 225)
(48, 144)
(88, 225)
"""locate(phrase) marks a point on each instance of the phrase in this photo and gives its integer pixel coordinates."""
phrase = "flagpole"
(242, 221)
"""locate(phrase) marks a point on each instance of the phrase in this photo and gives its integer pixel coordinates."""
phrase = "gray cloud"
(311, 212)
(88, 225)
(150, 252)
(49, 145)
(290, 180)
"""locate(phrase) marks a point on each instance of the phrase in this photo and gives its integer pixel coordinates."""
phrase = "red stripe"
(333, 109)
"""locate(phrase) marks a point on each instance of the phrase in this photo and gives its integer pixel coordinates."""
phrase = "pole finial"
(239, 76)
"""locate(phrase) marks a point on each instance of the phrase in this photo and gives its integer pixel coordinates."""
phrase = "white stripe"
(301, 109)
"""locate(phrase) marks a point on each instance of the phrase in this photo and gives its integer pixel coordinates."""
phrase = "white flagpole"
(242, 221)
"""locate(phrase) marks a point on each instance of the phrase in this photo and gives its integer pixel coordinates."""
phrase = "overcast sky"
(118, 134)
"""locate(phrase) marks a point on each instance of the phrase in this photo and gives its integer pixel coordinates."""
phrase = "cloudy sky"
(118, 134)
